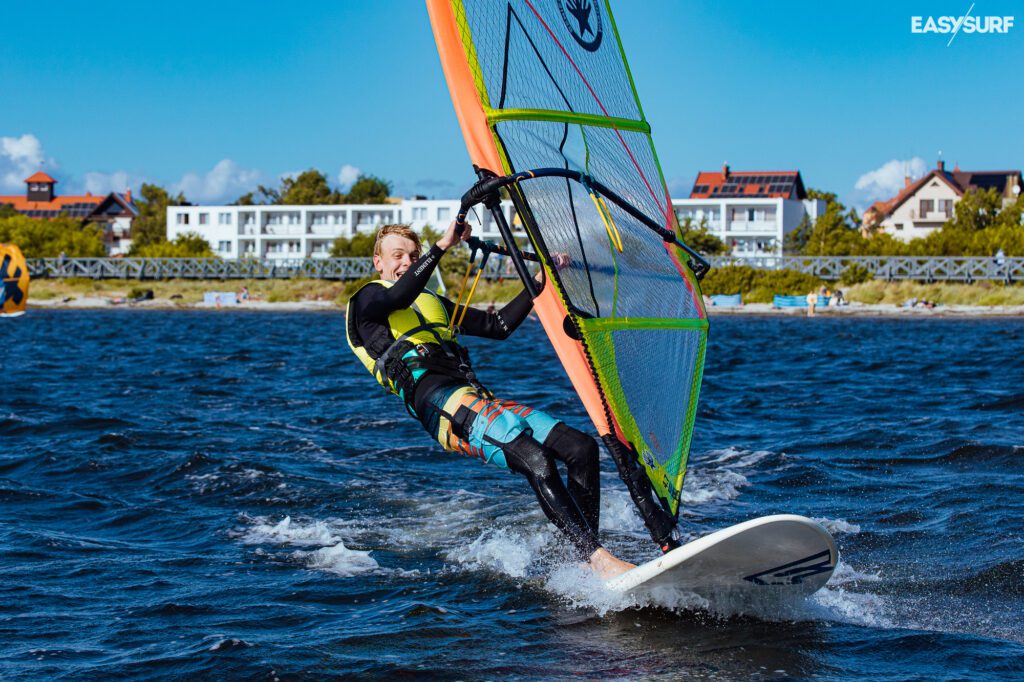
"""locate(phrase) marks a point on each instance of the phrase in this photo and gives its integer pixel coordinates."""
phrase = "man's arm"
(499, 324)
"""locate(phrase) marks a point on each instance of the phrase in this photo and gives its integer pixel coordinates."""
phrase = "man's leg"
(536, 462)
(579, 452)
(498, 432)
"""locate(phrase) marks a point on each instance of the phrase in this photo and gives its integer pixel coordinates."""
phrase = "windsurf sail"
(14, 272)
(547, 104)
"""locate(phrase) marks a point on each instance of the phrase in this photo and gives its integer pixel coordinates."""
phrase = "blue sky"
(214, 97)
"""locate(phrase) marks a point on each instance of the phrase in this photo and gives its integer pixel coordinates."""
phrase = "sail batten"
(543, 84)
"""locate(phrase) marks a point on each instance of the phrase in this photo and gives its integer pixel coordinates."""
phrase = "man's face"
(397, 253)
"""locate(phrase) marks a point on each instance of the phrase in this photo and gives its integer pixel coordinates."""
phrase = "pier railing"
(917, 268)
(922, 269)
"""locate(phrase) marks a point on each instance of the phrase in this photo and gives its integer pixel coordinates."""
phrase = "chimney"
(725, 170)
(956, 168)
(128, 195)
(942, 166)
(906, 181)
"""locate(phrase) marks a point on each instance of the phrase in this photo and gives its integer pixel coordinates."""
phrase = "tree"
(151, 225)
(976, 210)
(368, 189)
(697, 237)
(308, 187)
(796, 241)
(835, 232)
(185, 245)
(49, 238)
(360, 245)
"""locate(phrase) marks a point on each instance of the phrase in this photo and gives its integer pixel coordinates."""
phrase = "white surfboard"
(771, 559)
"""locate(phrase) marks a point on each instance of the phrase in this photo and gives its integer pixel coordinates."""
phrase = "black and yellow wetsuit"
(401, 334)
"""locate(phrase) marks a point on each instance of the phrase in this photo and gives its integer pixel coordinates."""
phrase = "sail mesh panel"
(551, 103)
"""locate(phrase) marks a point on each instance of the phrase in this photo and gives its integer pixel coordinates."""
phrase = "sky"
(213, 98)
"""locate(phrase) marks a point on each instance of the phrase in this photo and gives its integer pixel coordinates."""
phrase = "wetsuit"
(401, 334)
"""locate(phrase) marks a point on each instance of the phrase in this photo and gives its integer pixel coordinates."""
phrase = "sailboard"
(14, 272)
(547, 106)
(765, 561)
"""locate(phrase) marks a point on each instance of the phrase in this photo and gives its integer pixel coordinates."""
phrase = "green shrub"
(758, 286)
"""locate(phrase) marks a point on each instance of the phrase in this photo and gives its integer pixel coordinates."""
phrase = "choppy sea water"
(228, 495)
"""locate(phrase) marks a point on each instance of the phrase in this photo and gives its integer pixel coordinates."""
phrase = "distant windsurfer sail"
(549, 111)
(14, 271)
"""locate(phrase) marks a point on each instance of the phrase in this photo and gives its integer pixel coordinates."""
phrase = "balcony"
(751, 226)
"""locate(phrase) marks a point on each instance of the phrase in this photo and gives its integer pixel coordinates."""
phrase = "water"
(199, 494)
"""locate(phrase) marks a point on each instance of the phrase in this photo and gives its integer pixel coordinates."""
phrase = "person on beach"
(405, 337)
(812, 303)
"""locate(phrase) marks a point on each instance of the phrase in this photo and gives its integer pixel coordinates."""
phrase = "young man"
(404, 336)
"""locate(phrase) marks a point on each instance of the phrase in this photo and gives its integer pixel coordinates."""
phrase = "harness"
(425, 344)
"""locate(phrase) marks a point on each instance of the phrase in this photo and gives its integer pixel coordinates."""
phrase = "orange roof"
(752, 184)
(39, 176)
(21, 204)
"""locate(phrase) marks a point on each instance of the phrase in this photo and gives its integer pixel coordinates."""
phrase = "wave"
(838, 526)
(331, 553)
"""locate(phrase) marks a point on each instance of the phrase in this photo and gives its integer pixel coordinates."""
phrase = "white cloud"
(100, 183)
(887, 181)
(20, 157)
(224, 182)
(679, 188)
(348, 175)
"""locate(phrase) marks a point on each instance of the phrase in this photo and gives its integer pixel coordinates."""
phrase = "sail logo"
(966, 23)
(583, 20)
(794, 572)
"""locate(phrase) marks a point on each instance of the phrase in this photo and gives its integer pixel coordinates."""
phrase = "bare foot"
(607, 566)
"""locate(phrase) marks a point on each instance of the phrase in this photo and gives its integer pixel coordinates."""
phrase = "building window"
(946, 207)
(443, 214)
(419, 213)
(204, 218)
(275, 247)
(927, 206)
(182, 219)
(224, 219)
(224, 247)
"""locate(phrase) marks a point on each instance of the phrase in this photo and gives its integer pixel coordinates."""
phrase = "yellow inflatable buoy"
(14, 272)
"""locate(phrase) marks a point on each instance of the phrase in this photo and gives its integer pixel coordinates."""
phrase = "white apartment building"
(752, 227)
(750, 211)
(277, 231)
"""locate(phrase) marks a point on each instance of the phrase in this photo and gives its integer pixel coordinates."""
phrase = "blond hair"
(400, 230)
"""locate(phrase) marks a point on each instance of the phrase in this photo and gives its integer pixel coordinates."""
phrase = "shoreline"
(852, 310)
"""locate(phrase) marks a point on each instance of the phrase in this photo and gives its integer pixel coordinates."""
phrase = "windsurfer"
(402, 332)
